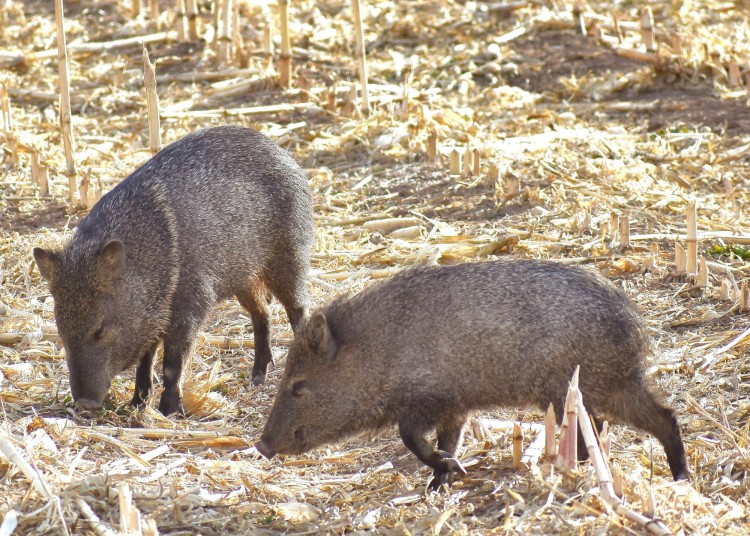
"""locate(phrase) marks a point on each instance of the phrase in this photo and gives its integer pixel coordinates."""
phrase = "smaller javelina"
(222, 212)
(428, 346)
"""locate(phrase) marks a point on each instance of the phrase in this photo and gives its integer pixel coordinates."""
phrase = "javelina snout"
(425, 348)
(300, 418)
(222, 213)
(88, 387)
(93, 366)
(262, 447)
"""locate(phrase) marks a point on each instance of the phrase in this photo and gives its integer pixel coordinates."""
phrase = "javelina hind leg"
(143, 381)
(449, 433)
(295, 314)
(291, 291)
(443, 463)
(254, 302)
(638, 406)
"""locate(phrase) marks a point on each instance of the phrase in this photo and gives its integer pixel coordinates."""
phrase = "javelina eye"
(297, 387)
(99, 333)
(299, 434)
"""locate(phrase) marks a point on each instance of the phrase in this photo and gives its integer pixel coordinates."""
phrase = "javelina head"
(317, 399)
(97, 318)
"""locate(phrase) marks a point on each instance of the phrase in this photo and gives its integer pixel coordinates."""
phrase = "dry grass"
(578, 129)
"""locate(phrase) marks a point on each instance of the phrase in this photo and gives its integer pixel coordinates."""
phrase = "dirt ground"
(571, 129)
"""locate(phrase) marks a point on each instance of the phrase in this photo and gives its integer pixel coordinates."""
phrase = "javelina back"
(222, 212)
(426, 347)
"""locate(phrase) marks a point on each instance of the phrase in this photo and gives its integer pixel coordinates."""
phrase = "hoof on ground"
(454, 466)
(138, 401)
(682, 476)
(439, 480)
(169, 405)
(259, 379)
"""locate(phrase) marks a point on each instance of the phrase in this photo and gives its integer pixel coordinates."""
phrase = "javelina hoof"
(171, 403)
(88, 404)
(440, 477)
(259, 379)
(138, 400)
(454, 465)
(682, 476)
(438, 480)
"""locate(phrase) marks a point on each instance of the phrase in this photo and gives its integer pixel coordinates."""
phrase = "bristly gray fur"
(426, 347)
(222, 212)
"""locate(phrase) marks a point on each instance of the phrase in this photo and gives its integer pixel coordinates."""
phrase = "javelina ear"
(112, 260)
(46, 261)
(321, 337)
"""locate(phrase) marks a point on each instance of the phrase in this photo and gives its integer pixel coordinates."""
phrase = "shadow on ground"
(546, 59)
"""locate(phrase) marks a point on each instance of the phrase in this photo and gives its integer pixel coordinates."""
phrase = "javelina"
(426, 347)
(222, 212)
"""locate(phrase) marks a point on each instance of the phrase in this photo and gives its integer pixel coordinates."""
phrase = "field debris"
(590, 133)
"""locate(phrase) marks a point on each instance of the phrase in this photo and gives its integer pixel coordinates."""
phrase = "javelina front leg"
(443, 463)
(256, 306)
(143, 375)
(177, 347)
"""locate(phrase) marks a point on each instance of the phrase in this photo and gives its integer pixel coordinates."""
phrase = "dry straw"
(152, 103)
(181, 21)
(191, 12)
(570, 129)
(224, 39)
(361, 56)
(65, 110)
(285, 57)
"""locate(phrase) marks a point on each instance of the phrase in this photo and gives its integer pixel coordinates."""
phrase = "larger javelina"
(223, 212)
(431, 344)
